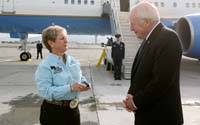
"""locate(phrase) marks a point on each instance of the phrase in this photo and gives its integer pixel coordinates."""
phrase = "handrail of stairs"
(115, 14)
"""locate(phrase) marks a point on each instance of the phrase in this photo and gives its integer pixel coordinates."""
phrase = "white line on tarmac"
(6, 60)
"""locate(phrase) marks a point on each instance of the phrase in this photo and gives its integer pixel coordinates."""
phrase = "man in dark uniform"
(39, 49)
(117, 54)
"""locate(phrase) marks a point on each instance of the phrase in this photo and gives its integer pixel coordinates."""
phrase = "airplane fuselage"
(86, 8)
(31, 16)
(174, 9)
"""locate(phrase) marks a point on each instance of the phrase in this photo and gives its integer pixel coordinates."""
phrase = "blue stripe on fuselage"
(74, 25)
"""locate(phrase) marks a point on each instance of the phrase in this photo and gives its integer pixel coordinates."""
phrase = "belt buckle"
(74, 103)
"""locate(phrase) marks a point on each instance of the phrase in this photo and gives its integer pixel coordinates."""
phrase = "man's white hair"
(146, 10)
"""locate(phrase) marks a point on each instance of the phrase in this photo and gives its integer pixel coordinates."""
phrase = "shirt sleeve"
(44, 81)
(76, 68)
(84, 80)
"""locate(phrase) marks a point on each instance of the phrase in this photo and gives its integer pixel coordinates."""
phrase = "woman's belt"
(65, 103)
(60, 102)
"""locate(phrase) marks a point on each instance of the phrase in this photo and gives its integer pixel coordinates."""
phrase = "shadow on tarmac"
(25, 110)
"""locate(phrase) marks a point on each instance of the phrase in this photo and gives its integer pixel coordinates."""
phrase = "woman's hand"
(79, 87)
(88, 86)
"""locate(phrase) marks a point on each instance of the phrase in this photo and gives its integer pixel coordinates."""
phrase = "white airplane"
(21, 17)
(184, 17)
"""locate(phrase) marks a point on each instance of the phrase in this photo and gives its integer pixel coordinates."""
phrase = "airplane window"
(193, 5)
(156, 4)
(92, 2)
(85, 1)
(79, 1)
(175, 4)
(66, 1)
(162, 4)
(72, 1)
(187, 5)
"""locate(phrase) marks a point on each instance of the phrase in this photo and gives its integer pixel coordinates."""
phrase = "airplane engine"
(188, 29)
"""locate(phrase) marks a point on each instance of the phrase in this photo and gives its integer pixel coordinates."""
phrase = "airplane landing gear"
(24, 56)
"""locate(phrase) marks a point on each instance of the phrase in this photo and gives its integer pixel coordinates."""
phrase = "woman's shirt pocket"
(60, 78)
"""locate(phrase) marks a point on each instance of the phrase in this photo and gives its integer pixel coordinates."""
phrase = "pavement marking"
(6, 60)
(191, 103)
(13, 60)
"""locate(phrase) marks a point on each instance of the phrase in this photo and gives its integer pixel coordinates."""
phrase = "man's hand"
(129, 104)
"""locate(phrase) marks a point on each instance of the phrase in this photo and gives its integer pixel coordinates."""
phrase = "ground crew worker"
(39, 47)
(118, 52)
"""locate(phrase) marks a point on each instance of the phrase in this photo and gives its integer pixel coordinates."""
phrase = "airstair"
(132, 43)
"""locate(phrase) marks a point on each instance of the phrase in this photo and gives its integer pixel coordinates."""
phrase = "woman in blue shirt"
(59, 81)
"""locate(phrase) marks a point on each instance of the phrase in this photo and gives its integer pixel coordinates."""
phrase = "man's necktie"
(144, 43)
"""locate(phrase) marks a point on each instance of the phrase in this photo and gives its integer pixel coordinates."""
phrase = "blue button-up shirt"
(53, 77)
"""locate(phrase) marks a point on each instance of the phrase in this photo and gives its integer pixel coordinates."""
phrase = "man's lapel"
(144, 46)
(138, 57)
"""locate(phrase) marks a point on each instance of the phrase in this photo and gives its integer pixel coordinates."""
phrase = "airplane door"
(8, 6)
(124, 5)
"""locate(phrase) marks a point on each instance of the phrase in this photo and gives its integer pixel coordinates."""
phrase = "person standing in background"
(39, 47)
(118, 53)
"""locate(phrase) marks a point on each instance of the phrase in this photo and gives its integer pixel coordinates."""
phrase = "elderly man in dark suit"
(154, 93)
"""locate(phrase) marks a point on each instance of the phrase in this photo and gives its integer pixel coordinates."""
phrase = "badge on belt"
(74, 103)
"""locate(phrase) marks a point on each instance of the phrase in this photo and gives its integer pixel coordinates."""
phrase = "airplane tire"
(29, 55)
(24, 56)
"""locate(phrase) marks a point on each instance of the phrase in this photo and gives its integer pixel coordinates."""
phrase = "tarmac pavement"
(102, 105)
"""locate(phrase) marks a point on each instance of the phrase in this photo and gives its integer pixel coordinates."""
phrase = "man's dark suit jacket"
(155, 80)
